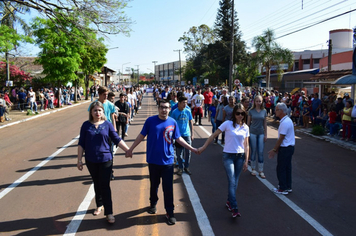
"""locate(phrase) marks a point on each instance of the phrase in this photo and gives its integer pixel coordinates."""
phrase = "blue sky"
(160, 23)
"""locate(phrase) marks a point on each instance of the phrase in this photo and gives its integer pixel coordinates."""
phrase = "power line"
(316, 23)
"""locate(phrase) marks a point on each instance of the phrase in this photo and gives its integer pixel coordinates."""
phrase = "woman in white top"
(235, 153)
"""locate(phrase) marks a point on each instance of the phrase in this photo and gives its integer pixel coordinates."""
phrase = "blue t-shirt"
(213, 111)
(109, 108)
(96, 142)
(160, 135)
(182, 118)
(316, 103)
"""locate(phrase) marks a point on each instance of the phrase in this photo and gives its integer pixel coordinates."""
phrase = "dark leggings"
(101, 174)
(122, 126)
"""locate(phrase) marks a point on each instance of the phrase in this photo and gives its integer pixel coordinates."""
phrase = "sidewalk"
(351, 145)
(17, 116)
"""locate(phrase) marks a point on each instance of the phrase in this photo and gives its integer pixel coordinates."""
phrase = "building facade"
(169, 73)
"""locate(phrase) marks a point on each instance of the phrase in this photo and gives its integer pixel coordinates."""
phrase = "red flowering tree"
(18, 76)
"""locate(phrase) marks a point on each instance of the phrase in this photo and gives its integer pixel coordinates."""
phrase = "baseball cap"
(346, 94)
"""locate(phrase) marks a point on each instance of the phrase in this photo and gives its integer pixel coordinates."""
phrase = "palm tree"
(9, 17)
(269, 53)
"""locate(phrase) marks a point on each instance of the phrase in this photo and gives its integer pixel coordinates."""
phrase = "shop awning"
(347, 79)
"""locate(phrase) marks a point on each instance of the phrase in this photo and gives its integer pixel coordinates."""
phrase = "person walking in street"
(235, 153)
(94, 140)
(161, 130)
(257, 121)
(124, 115)
(197, 105)
(184, 119)
(219, 118)
(284, 147)
(208, 100)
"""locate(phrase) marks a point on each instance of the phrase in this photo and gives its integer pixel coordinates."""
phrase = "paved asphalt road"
(54, 197)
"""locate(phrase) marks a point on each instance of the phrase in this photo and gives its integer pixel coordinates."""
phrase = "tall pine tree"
(221, 48)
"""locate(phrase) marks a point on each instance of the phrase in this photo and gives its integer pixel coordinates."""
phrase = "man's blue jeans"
(206, 109)
(284, 167)
(257, 146)
(233, 163)
(33, 104)
(213, 124)
(183, 153)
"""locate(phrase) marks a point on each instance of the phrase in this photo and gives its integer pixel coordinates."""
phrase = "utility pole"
(330, 54)
(232, 47)
(180, 65)
(7, 68)
(138, 74)
(154, 63)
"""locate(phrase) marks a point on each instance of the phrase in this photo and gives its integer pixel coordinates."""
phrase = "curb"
(43, 114)
(340, 143)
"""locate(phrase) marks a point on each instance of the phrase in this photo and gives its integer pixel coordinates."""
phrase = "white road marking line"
(200, 214)
(34, 169)
(318, 227)
(73, 226)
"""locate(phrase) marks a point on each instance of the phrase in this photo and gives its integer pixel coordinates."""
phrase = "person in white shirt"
(197, 106)
(235, 153)
(32, 96)
(285, 149)
(189, 96)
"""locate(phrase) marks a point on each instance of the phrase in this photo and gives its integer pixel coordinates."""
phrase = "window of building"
(296, 65)
(316, 61)
(307, 61)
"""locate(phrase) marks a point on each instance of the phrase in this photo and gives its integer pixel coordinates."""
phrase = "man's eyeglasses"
(240, 113)
(163, 108)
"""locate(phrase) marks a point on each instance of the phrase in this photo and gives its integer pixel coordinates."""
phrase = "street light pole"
(154, 62)
(180, 66)
(232, 47)
(106, 70)
(138, 74)
(122, 68)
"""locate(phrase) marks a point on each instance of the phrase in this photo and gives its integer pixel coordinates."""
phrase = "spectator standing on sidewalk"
(257, 121)
(284, 147)
(183, 116)
(95, 136)
(346, 121)
(22, 99)
(208, 100)
(32, 96)
(161, 130)
(235, 153)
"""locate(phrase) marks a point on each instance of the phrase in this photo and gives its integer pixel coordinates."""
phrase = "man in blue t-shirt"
(184, 119)
(316, 106)
(161, 130)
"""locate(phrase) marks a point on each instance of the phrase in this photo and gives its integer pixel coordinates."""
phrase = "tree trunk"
(75, 91)
(59, 95)
(86, 87)
(268, 77)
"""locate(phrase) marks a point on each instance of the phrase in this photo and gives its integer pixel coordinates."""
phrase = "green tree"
(269, 53)
(220, 51)
(102, 16)
(60, 53)
(93, 58)
(196, 38)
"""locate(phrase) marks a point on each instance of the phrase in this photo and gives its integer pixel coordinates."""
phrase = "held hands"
(128, 153)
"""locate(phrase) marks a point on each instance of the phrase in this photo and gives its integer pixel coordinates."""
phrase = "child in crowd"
(305, 114)
(268, 106)
(332, 121)
(295, 116)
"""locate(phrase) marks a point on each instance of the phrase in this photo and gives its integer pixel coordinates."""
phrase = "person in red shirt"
(332, 122)
(208, 100)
